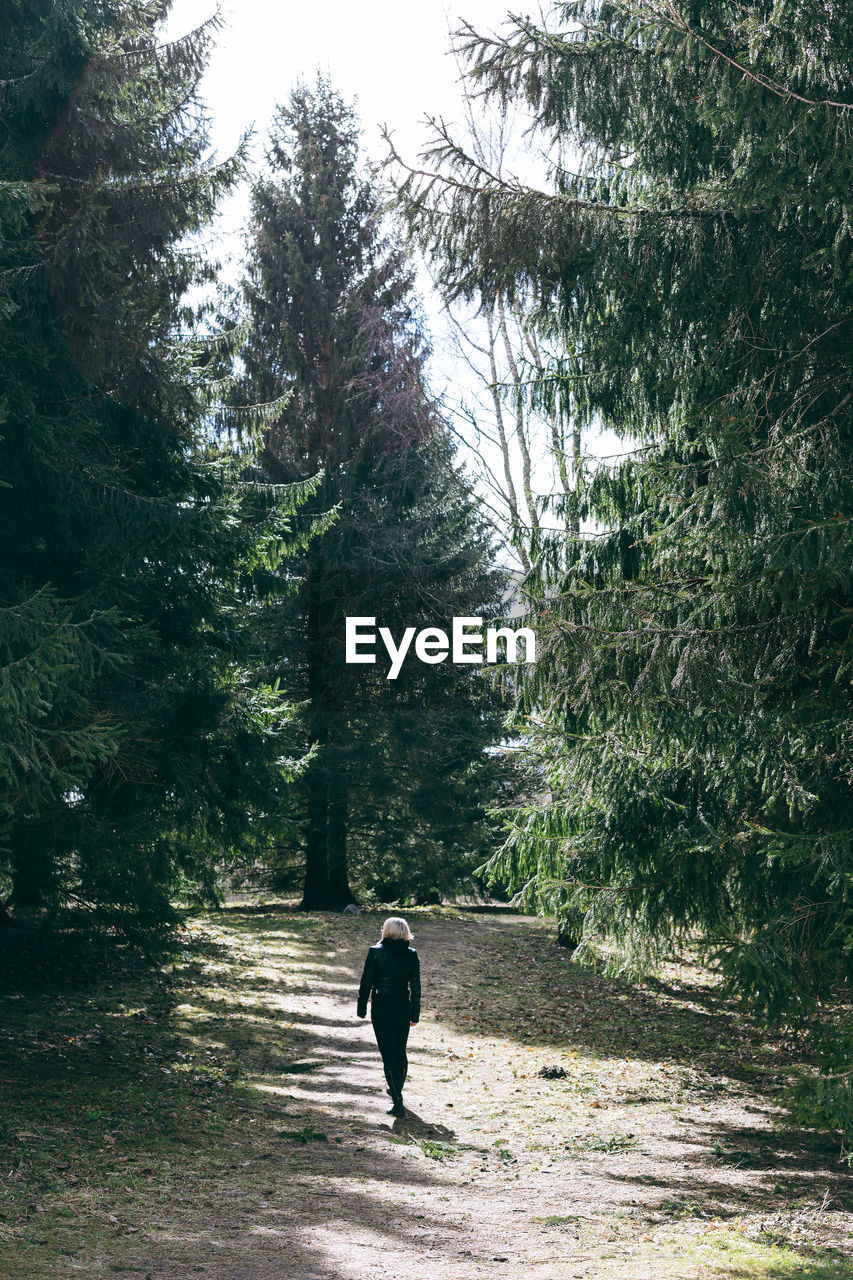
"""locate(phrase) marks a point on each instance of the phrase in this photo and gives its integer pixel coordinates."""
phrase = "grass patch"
(607, 1145)
(303, 1135)
(439, 1150)
(682, 1208)
(558, 1219)
(741, 1158)
(725, 1253)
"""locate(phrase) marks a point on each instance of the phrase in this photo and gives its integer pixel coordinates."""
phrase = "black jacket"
(392, 968)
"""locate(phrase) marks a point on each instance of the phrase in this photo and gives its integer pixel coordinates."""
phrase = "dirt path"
(651, 1152)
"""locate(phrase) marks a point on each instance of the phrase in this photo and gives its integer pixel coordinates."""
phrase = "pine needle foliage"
(691, 709)
(138, 747)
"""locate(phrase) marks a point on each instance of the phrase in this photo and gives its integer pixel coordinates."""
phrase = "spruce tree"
(399, 777)
(691, 707)
(140, 747)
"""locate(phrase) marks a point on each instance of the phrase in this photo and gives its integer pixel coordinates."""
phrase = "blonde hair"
(396, 927)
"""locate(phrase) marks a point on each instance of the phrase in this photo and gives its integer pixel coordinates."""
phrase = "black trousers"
(391, 1020)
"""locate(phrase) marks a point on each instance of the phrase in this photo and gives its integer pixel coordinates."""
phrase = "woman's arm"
(415, 988)
(365, 984)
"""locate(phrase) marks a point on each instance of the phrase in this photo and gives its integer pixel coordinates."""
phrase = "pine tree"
(691, 707)
(333, 328)
(133, 564)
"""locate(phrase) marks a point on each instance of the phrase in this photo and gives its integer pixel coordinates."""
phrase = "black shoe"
(397, 1110)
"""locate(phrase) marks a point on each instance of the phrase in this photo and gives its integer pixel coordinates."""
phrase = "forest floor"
(224, 1116)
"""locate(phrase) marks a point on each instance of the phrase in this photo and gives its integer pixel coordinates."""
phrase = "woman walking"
(392, 980)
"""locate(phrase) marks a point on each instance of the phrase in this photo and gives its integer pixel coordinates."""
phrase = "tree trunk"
(316, 892)
(339, 891)
(28, 884)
